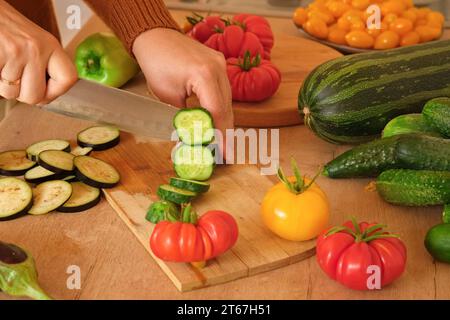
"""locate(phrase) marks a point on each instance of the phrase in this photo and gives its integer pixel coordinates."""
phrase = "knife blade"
(127, 111)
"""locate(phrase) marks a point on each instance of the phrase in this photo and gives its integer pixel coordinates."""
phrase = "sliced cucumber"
(36, 148)
(193, 162)
(99, 137)
(39, 174)
(80, 151)
(95, 172)
(191, 185)
(15, 163)
(49, 196)
(176, 195)
(60, 162)
(16, 198)
(194, 126)
(83, 198)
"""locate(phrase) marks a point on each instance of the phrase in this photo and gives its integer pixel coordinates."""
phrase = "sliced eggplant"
(49, 196)
(70, 179)
(39, 174)
(95, 172)
(80, 151)
(99, 137)
(83, 198)
(60, 162)
(15, 163)
(36, 148)
(16, 198)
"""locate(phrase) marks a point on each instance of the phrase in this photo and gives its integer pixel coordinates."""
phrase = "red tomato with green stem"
(234, 42)
(346, 252)
(258, 26)
(194, 239)
(204, 27)
(252, 79)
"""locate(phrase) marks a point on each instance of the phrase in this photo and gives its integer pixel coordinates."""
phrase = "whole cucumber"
(437, 113)
(406, 151)
(414, 187)
(409, 123)
(437, 242)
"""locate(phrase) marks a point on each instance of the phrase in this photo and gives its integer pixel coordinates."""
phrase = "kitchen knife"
(125, 110)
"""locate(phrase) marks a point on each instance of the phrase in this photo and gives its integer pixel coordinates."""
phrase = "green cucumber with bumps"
(409, 123)
(437, 113)
(414, 187)
(406, 151)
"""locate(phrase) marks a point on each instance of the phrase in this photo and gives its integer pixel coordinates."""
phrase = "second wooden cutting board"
(295, 56)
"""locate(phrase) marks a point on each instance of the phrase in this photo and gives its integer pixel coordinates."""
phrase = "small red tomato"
(190, 240)
(252, 79)
(203, 29)
(349, 252)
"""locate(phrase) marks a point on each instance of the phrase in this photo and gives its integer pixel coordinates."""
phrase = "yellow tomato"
(359, 39)
(389, 18)
(357, 25)
(300, 16)
(316, 28)
(409, 39)
(295, 216)
(344, 24)
(402, 26)
(387, 40)
(352, 15)
(428, 33)
(337, 35)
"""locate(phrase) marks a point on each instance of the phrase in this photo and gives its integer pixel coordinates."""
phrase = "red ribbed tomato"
(213, 234)
(234, 42)
(258, 26)
(204, 28)
(348, 254)
(252, 79)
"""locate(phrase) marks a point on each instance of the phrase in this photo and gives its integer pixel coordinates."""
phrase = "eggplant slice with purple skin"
(35, 149)
(18, 275)
(95, 172)
(83, 197)
(59, 162)
(99, 138)
(15, 163)
(16, 198)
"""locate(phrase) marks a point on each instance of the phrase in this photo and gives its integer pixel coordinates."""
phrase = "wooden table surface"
(114, 265)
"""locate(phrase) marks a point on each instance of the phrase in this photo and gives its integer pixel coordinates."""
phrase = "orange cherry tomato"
(324, 16)
(423, 12)
(393, 6)
(300, 16)
(374, 32)
(359, 39)
(337, 36)
(409, 39)
(316, 27)
(357, 25)
(344, 24)
(360, 4)
(402, 26)
(352, 14)
(337, 8)
(387, 40)
(435, 16)
(408, 3)
(389, 18)
(410, 14)
(428, 33)
(421, 22)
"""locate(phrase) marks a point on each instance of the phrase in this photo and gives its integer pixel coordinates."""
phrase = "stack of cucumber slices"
(193, 163)
(57, 178)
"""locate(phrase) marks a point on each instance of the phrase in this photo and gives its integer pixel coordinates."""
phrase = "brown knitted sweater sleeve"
(129, 18)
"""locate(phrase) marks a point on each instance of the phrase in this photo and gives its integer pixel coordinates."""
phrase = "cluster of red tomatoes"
(246, 41)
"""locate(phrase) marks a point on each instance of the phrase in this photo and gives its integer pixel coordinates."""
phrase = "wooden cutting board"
(236, 189)
(295, 56)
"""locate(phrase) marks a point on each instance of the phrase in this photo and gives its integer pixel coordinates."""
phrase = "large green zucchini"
(350, 99)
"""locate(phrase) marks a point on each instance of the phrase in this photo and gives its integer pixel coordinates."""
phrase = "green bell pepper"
(102, 58)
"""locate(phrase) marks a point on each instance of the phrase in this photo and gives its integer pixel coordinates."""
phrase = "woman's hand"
(176, 66)
(27, 54)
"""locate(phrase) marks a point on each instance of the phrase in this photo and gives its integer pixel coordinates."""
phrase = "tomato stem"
(298, 186)
(368, 235)
(247, 62)
(188, 215)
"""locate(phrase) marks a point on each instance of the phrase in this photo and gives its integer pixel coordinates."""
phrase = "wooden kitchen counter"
(114, 265)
